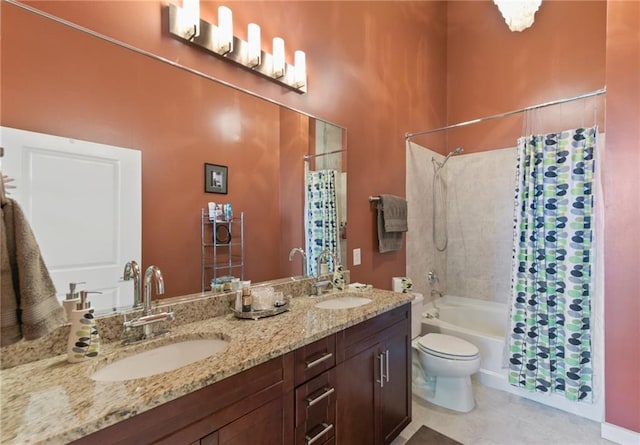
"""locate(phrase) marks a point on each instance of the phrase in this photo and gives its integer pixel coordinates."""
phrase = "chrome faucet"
(304, 258)
(323, 254)
(323, 285)
(132, 271)
(151, 274)
(148, 318)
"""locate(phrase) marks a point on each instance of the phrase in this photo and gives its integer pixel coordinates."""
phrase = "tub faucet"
(304, 258)
(436, 293)
(148, 318)
(132, 272)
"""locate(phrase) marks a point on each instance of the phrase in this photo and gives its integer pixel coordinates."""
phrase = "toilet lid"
(447, 346)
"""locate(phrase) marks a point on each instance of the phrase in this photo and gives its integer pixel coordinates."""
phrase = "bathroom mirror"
(61, 81)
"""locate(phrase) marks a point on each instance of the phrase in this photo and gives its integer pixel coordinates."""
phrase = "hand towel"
(29, 308)
(387, 241)
(394, 213)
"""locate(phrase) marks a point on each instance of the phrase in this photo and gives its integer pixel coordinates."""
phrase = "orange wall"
(365, 73)
(622, 200)
(491, 70)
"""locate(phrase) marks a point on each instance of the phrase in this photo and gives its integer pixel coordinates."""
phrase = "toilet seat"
(447, 346)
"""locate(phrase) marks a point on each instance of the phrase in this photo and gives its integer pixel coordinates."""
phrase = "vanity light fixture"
(254, 53)
(518, 14)
(220, 41)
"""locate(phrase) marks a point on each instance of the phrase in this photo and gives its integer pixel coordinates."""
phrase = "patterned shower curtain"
(321, 218)
(550, 331)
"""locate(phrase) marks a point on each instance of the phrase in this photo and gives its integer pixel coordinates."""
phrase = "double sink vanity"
(332, 369)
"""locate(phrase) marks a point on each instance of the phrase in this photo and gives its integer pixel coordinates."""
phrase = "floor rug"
(427, 436)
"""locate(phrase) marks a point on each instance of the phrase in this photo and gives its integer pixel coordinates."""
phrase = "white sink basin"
(161, 359)
(343, 302)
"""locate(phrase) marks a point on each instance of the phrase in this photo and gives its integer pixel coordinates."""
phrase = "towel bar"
(374, 198)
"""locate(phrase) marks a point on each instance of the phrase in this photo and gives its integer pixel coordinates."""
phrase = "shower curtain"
(550, 330)
(321, 218)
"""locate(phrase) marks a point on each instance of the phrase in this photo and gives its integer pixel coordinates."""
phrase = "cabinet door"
(263, 426)
(358, 394)
(395, 403)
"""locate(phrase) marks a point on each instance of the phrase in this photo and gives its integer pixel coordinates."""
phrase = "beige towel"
(29, 307)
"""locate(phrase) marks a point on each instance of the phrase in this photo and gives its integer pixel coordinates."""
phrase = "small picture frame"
(215, 178)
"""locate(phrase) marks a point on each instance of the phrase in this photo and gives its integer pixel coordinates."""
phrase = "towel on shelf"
(29, 308)
(392, 222)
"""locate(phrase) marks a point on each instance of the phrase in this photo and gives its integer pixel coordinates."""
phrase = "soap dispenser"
(72, 299)
(84, 341)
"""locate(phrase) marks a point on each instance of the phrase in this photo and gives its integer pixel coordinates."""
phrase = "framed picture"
(215, 178)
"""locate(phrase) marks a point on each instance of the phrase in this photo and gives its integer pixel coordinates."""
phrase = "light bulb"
(190, 19)
(225, 30)
(278, 57)
(300, 65)
(254, 55)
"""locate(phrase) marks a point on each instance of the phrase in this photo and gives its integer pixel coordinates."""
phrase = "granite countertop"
(54, 401)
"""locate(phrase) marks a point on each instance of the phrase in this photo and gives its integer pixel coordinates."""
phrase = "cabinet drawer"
(314, 359)
(316, 409)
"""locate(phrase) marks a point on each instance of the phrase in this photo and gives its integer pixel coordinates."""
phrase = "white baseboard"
(495, 380)
(619, 435)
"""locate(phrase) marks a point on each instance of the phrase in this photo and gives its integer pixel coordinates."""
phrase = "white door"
(83, 202)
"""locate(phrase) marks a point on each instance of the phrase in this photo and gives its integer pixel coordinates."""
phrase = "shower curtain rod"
(408, 136)
(307, 157)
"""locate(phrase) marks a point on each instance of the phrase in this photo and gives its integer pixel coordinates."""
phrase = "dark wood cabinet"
(374, 394)
(259, 399)
(350, 388)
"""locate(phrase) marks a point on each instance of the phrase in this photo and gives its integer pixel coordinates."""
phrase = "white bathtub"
(482, 323)
(485, 324)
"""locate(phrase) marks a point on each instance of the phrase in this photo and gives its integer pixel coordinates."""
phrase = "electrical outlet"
(356, 257)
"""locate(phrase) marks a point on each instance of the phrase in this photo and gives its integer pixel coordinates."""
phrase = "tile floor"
(500, 418)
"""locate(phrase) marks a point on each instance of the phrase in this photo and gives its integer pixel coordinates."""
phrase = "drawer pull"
(326, 393)
(325, 356)
(325, 429)
(381, 381)
(386, 354)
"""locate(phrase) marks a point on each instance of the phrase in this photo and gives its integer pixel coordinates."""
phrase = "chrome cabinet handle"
(325, 430)
(326, 393)
(381, 381)
(386, 354)
(325, 356)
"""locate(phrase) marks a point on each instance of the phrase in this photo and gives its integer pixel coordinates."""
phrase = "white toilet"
(442, 365)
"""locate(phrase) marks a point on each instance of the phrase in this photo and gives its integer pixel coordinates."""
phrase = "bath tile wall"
(480, 224)
(480, 188)
(422, 255)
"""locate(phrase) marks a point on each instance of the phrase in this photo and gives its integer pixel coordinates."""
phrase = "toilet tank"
(416, 314)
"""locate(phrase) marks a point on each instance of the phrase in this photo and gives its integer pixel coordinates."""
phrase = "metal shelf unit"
(222, 253)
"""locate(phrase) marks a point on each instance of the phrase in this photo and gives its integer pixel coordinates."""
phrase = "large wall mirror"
(60, 81)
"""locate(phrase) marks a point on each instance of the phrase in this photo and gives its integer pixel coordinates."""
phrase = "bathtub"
(485, 324)
(481, 323)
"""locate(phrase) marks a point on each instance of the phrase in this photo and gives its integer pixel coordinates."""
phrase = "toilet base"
(454, 393)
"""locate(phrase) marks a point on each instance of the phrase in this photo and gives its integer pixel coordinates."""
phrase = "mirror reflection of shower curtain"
(321, 218)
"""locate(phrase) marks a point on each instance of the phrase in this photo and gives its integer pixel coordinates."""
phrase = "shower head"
(456, 151)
